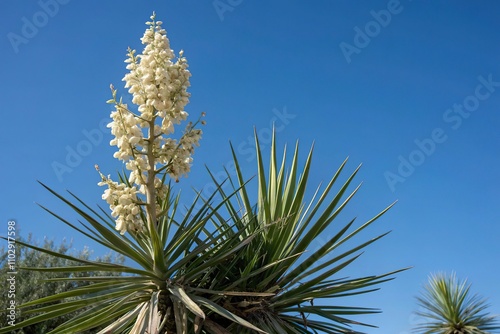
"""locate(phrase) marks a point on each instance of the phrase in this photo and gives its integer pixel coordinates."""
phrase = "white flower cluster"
(178, 154)
(124, 204)
(129, 139)
(158, 86)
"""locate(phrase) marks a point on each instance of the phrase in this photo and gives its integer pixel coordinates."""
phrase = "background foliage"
(30, 285)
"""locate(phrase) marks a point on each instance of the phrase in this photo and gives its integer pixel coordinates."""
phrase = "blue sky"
(411, 89)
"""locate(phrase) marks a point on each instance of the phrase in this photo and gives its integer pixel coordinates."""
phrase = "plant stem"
(150, 182)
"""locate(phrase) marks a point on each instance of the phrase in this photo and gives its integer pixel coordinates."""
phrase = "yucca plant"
(449, 308)
(228, 263)
(251, 272)
(303, 282)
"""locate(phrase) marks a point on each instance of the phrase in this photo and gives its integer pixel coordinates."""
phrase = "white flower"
(123, 203)
(155, 80)
(158, 84)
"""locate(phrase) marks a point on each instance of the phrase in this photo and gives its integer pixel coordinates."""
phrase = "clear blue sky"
(414, 96)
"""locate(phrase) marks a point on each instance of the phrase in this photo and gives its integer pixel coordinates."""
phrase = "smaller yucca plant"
(449, 308)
